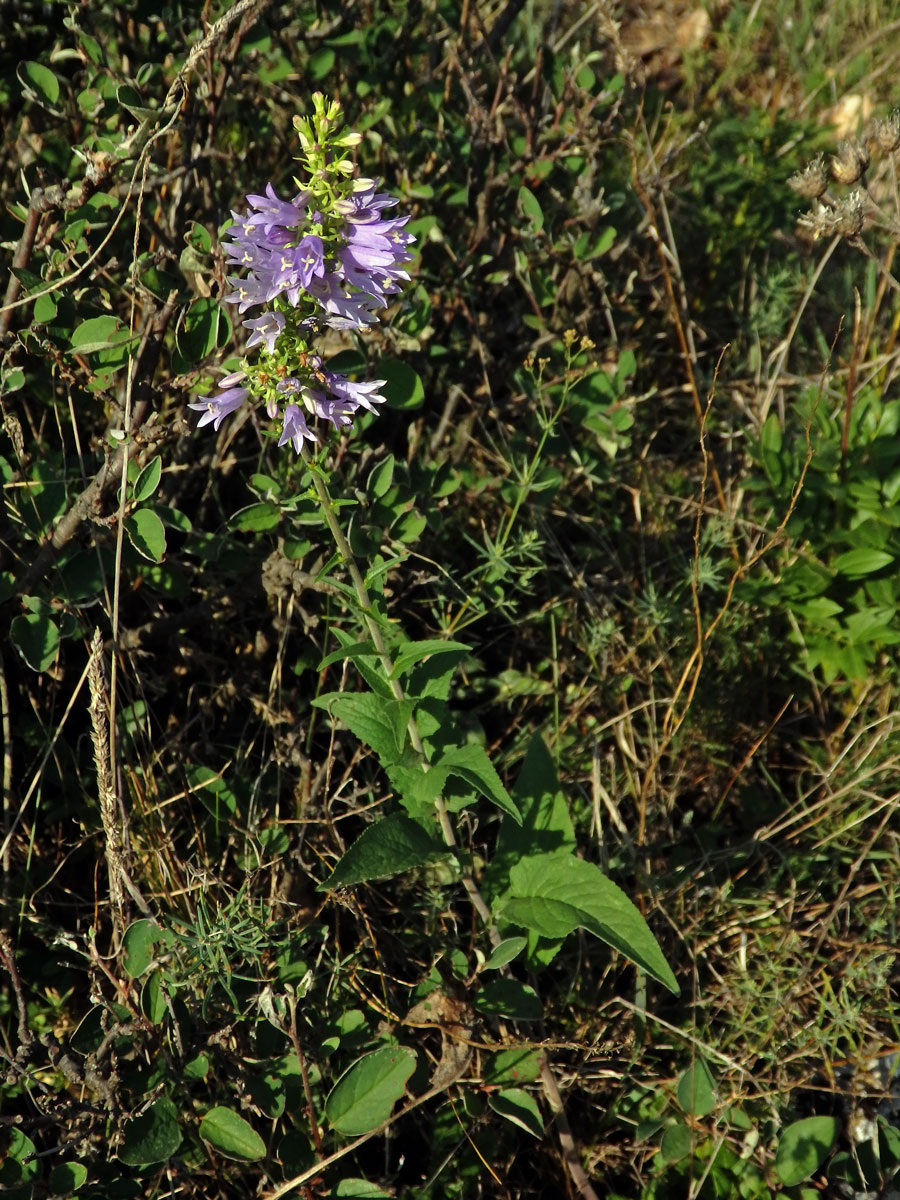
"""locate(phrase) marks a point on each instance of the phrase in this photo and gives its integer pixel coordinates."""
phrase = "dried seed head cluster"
(846, 216)
(884, 136)
(812, 181)
(850, 163)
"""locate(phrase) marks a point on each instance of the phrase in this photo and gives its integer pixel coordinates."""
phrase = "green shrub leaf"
(39, 83)
(98, 333)
(364, 1096)
(864, 560)
(509, 998)
(67, 1177)
(233, 1137)
(36, 638)
(471, 763)
(520, 1107)
(147, 534)
(403, 388)
(148, 480)
(505, 952)
(139, 946)
(152, 1137)
(803, 1147)
(696, 1089)
(378, 722)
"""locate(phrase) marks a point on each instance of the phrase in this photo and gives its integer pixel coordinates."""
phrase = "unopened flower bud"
(850, 162)
(812, 181)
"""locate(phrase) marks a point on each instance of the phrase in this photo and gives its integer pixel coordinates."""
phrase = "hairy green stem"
(365, 603)
(548, 1079)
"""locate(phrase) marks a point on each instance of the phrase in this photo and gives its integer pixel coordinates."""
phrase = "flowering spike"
(327, 257)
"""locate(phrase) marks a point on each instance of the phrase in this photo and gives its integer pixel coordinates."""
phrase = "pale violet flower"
(216, 408)
(296, 431)
(264, 329)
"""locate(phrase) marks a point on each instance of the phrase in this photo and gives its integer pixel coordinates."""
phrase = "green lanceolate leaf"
(377, 721)
(391, 845)
(148, 480)
(472, 764)
(413, 652)
(803, 1148)
(364, 1096)
(864, 560)
(545, 828)
(507, 950)
(231, 1135)
(531, 208)
(553, 894)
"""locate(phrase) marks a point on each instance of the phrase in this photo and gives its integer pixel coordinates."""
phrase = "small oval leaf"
(68, 1177)
(152, 1137)
(231, 1135)
(39, 83)
(363, 1097)
(697, 1090)
(36, 638)
(148, 480)
(531, 208)
(505, 952)
(803, 1148)
(403, 388)
(516, 1105)
(139, 946)
(147, 534)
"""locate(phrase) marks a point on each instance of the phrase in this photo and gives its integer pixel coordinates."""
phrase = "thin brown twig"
(42, 201)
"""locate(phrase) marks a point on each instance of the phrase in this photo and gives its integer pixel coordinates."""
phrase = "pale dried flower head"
(846, 219)
(850, 162)
(884, 136)
(812, 181)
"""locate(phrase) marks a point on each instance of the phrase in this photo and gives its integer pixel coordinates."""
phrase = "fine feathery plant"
(329, 259)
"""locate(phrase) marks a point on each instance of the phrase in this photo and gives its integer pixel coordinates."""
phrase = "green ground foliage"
(630, 533)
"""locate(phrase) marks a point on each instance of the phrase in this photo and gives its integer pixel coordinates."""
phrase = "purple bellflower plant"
(328, 257)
